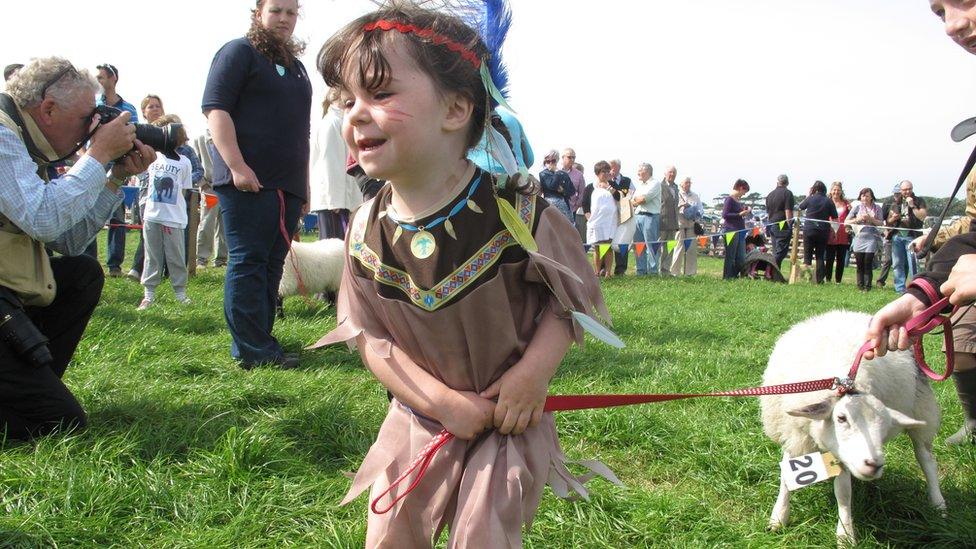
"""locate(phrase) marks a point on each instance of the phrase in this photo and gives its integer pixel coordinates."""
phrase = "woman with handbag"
(690, 212)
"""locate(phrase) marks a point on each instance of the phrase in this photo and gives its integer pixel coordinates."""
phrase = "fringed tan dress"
(465, 314)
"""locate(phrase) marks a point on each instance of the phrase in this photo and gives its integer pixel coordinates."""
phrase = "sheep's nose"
(873, 466)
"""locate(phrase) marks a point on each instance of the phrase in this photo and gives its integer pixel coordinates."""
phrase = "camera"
(164, 139)
(18, 331)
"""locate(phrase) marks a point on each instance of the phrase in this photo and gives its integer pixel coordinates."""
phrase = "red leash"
(921, 324)
(302, 290)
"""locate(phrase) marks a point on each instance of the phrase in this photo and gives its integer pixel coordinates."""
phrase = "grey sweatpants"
(164, 244)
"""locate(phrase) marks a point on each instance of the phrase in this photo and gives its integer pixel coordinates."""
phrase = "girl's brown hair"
(866, 190)
(354, 54)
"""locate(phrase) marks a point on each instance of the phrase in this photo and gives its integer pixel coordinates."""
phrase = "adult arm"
(790, 204)
(224, 135)
(196, 168)
(46, 211)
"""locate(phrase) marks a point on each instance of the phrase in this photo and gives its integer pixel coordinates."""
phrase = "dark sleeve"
(568, 190)
(548, 181)
(942, 262)
(790, 200)
(727, 209)
(803, 205)
(587, 194)
(228, 72)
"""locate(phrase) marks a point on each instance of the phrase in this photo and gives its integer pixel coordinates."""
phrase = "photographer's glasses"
(58, 76)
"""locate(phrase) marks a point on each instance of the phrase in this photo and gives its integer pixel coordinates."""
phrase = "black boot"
(966, 389)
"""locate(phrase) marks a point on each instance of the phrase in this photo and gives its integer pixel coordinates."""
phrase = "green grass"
(185, 449)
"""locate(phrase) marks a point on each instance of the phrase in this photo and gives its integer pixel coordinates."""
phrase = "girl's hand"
(521, 393)
(467, 415)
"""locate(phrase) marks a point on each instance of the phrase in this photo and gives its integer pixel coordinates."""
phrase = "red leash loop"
(917, 326)
(421, 462)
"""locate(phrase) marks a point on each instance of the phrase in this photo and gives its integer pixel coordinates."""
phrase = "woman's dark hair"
(601, 166)
(354, 53)
(866, 190)
(818, 188)
(282, 52)
(740, 184)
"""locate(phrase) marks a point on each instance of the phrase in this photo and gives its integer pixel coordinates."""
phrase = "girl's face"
(395, 130)
(279, 17)
(867, 199)
(604, 176)
(960, 21)
(153, 110)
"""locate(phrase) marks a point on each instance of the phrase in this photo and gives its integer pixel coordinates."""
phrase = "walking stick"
(794, 251)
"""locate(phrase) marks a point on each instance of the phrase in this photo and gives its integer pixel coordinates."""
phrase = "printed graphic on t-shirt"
(163, 189)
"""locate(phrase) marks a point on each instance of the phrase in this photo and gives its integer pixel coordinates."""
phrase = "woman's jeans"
(257, 250)
(735, 255)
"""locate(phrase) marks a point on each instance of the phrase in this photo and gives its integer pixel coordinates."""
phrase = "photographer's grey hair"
(26, 87)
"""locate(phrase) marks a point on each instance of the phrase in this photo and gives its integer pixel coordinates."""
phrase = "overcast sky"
(864, 91)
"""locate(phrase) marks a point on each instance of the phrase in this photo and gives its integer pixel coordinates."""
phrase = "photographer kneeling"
(46, 302)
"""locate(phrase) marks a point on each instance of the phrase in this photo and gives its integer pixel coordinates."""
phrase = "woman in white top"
(601, 222)
(332, 192)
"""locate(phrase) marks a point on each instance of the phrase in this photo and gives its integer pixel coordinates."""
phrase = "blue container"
(311, 222)
(131, 195)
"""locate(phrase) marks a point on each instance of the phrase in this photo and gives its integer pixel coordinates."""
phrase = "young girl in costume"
(464, 317)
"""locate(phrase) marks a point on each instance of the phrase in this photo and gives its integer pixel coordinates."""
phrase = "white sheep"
(890, 392)
(320, 264)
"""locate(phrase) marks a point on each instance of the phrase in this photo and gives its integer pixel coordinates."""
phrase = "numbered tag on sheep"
(802, 471)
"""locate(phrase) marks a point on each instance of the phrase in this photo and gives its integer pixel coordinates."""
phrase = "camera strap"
(8, 106)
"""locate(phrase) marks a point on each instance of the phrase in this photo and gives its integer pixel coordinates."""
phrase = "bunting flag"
(624, 248)
(604, 248)
(782, 224)
(670, 245)
(686, 243)
(703, 241)
(729, 237)
(656, 247)
(639, 248)
(755, 231)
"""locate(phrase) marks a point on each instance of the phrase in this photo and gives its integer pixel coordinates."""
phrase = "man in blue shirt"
(108, 77)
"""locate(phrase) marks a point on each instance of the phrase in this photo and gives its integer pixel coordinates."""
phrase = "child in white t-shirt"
(165, 220)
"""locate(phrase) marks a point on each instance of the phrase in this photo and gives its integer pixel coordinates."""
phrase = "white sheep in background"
(320, 264)
(890, 392)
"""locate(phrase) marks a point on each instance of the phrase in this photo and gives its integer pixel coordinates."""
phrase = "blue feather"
(498, 19)
(492, 19)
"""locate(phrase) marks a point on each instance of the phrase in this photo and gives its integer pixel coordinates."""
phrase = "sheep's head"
(854, 428)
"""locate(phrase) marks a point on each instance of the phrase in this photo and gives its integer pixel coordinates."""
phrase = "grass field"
(185, 449)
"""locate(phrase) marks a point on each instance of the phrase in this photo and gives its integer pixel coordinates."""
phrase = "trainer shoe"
(115, 272)
(134, 275)
(144, 304)
(183, 300)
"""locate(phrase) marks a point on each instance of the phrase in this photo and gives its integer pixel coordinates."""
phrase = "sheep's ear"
(904, 420)
(820, 410)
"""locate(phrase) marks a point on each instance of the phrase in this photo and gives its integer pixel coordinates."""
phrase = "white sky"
(864, 91)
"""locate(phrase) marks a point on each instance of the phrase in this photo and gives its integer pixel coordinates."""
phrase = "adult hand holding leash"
(887, 328)
(961, 286)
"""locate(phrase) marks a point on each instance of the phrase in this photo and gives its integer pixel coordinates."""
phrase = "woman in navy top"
(816, 228)
(734, 215)
(258, 102)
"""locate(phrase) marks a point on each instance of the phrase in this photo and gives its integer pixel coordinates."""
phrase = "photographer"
(905, 212)
(46, 302)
